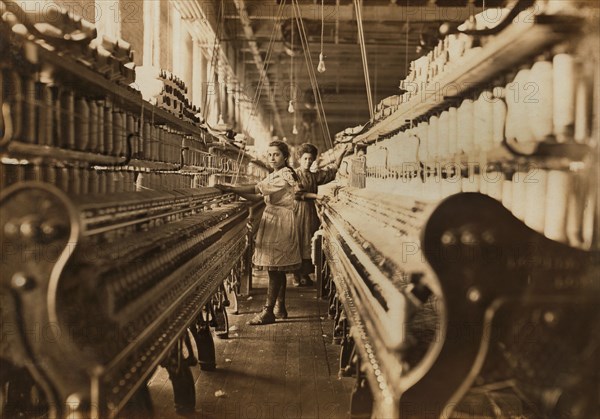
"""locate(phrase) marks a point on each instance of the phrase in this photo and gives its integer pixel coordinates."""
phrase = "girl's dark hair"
(308, 148)
(285, 151)
(283, 147)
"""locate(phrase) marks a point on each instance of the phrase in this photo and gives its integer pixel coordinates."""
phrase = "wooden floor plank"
(285, 370)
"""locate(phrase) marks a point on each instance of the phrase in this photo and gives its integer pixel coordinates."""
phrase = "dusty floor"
(285, 370)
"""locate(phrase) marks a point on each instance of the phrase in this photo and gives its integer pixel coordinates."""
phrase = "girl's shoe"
(280, 311)
(266, 316)
(305, 281)
(297, 280)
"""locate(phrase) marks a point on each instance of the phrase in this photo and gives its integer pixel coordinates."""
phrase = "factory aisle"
(285, 370)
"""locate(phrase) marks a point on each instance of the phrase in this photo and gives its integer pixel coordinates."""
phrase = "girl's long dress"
(307, 220)
(276, 246)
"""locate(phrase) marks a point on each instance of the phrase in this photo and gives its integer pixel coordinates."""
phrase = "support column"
(231, 106)
(203, 82)
(212, 95)
(223, 94)
(198, 73)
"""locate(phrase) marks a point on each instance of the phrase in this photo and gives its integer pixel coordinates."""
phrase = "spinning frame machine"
(117, 256)
(460, 253)
(451, 294)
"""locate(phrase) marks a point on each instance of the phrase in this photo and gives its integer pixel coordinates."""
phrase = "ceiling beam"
(390, 13)
(283, 96)
(342, 101)
(379, 41)
(329, 90)
(345, 47)
(379, 63)
(354, 51)
(262, 29)
(339, 68)
(341, 81)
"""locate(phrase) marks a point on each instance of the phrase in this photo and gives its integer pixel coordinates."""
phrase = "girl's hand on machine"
(323, 199)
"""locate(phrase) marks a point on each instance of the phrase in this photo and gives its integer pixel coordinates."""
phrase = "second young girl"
(307, 220)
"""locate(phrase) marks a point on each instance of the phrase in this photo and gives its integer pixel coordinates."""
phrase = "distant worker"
(307, 220)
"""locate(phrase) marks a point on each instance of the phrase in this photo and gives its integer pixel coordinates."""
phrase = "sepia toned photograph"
(299, 209)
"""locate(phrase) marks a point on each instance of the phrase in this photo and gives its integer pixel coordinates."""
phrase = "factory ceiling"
(281, 36)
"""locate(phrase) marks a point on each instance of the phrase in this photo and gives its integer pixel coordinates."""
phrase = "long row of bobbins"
(450, 53)
(55, 131)
(169, 180)
(48, 113)
(83, 180)
(61, 31)
(547, 100)
(168, 92)
(72, 179)
(174, 98)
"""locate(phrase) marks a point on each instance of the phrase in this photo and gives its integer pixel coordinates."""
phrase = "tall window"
(108, 18)
(187, 59)
(182, 47)
(151, 33)
(177, 49)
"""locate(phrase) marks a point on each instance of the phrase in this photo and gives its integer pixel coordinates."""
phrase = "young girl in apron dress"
(276, 243)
